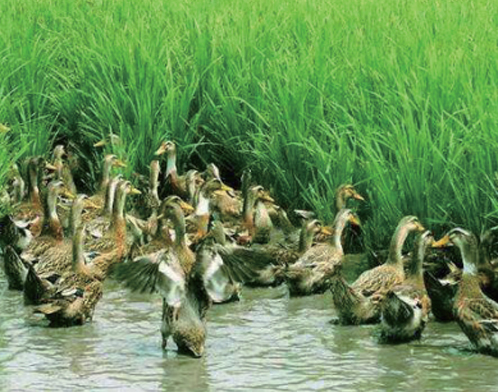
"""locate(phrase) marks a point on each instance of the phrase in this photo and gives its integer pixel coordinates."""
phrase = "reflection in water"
(267, 341)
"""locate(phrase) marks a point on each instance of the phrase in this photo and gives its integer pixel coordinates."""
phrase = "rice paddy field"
(398, 97)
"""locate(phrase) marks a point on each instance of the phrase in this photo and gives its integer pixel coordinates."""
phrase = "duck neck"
(18, 189)
(248, 210)
(34, 192)
(106, 174)
(67, 178)
(339, 226)
(109, 198)
(78, 254)
(414, 269)
(203, 204)
(118, 218)
(154, 184)
(52, 223)
(202, 213)
(396, 247)
(470, 259)
(58, 164)
(179, 224)
(305, 239)
(261, 216)
(171, 165)
(341, 200)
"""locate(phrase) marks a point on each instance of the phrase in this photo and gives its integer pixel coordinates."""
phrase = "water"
(266, 342)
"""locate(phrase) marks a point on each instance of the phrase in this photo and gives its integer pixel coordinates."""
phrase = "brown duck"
(309, 274)
(359, 303)
(72, 302)
(174, 274)
(405, 308)
(476, 314)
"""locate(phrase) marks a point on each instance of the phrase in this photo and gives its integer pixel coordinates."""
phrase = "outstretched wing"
(219, 279)
(160, 272)
(244, 264)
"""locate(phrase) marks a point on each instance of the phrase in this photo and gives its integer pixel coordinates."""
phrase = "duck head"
(468, 245)
(344, 193)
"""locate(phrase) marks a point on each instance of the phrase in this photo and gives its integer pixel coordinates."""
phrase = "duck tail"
(394, 310)
(34, 287)
(15, 269)
(347, 302)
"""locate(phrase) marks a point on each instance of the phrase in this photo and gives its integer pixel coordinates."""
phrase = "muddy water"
(267, 341)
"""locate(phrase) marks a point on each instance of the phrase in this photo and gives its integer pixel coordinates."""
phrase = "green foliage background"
(399, 97)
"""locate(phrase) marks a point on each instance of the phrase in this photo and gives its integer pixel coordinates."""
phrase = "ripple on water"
(266, 341)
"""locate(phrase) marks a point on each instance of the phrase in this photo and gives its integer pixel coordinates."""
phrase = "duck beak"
(326, 230)
(268, 198)
(357, 196)
(4, 128)
(226, 188)
(196, 353)
(186, 207)
(118, 163)
(91, 205)
(355, 221)
(50, 167)
(102, 143)
(443, 242)
(419, 227)
(69, 195)
(161, 149)
(135, 191)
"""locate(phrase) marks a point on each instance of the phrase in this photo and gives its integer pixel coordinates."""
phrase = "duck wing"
(160, 272)
(243, 264)
(381, 278)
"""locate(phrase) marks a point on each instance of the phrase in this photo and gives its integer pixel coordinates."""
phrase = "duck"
(73, 300)
(18, 185)
(173, 273)
(345, 192)
(110, 161)
(111, 139)
(257, 225)
(96, 225)
(147, 205)
(405, 308)
(199, 220)
(175, 184)
(284, 230)
(62, 170)
(443, 288)
(475, 313)
(32, 209)
(309, 274)
(15, 265)
(116, 242)
(14, 233)
(265, 264)
(162, 238)
(358, 303)
(52, 233)
(54, 262)
(227, 203)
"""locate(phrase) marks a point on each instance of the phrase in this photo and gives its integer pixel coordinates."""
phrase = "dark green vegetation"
(399, 97)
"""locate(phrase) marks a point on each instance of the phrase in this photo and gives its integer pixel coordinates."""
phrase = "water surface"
(265, 342)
